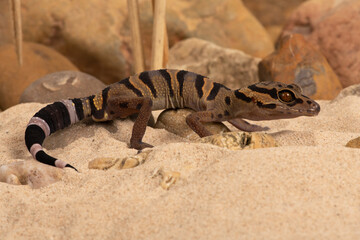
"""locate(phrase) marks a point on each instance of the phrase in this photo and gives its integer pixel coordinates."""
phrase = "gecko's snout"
(314, 109)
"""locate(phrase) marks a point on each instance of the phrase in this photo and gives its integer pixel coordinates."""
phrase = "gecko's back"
(167, 88)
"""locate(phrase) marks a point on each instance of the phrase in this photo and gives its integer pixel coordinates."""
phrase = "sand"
(308, 188)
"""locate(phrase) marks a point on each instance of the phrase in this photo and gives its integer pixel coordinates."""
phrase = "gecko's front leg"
(126, 106)
(245, 126)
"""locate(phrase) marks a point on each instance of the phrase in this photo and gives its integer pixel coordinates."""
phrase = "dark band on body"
(79, 108)
(242, 96)
(199, 83)
(128, 84)
(145, 78)
(43, 114)
(271, 92)
(215, 90)
(180, 76)
(65, 116)
(41, 156)
(270, 106)
(104, 94)
(167, 78)
(55, 115)
(92, 105)
(34, 134)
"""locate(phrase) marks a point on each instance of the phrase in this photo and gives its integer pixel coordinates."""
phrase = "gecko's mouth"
(313, 111)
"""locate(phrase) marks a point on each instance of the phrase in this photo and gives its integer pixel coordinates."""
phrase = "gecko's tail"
(48, 120)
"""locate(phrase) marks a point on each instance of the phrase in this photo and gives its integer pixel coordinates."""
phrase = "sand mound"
(306, 188)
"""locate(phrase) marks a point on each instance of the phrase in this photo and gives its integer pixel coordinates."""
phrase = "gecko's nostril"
(314, 109)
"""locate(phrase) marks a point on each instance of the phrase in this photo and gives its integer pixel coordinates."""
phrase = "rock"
(233, 68)
(30, 173)
(235, 26)
(272, 14)
(353, 90)
(296, 61)
(332, 27)
(168, 178)
(38, 61)
(354, 143)
(240, 140)
(174, 121)
(61, 85)
(102, 46)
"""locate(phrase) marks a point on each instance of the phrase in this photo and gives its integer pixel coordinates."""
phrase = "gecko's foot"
(140, 145)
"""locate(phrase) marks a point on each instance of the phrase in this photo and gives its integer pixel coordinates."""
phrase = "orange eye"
(286, 96)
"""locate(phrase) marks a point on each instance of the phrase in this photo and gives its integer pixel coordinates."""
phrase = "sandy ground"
(309, 188)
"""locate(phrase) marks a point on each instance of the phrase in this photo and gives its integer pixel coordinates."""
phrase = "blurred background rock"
(95, 37)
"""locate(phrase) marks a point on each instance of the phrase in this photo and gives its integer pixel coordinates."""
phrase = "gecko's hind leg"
(126, 106)
(195, 120)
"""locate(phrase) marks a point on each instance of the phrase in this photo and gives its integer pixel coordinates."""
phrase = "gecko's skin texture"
(164, 89)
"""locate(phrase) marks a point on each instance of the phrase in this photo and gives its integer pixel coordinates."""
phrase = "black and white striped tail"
(48, 120)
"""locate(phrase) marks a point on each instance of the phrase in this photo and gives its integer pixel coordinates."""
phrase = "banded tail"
(48, 120)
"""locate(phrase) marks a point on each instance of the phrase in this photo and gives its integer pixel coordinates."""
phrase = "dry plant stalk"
(158, 37)
(138, 52)
(166, 41)
(16, 17)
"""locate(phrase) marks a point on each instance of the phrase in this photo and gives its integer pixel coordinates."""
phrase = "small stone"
(38, 60)
(174, 121)
(105, 163)
(30, 173)
(240, 140)
(132, 161)
(296, 61)
(230, 67)
(102, 163)
(354, 143)
(332, 26)
(61, 85)
(168, 178)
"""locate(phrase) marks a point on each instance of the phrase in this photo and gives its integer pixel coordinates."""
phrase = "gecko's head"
(275, 100)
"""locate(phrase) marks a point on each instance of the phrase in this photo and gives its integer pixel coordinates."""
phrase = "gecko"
(169, 89)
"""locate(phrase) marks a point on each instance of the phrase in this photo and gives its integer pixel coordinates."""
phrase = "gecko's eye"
(286, 96)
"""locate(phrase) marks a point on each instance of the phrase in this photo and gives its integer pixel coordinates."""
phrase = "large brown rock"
(296, 61)
(6, 35)
(61, 85)
(227, 23)
(333, 27)
(38, 60)
(95, 35)
(272, 14)
(230, 67)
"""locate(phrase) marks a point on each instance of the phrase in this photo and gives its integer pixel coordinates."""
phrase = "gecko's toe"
(140, 146)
